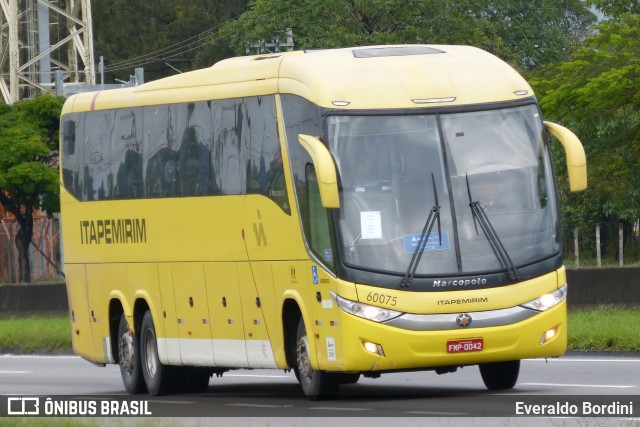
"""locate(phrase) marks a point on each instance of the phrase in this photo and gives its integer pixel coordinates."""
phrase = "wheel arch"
(140, 307)
(116, 310)
(292, 311)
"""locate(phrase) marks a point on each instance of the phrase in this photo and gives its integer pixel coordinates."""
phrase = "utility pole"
(274, 46)
(39, 38)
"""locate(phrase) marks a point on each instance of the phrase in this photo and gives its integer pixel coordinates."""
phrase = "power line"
(184, 46)
(169, 49)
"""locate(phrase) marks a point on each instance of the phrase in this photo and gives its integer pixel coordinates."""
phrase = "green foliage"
(28, 180)
(28, 132)
(524, 33)
(616, 7)
(160, 32)
(596, 93)
(43, 112)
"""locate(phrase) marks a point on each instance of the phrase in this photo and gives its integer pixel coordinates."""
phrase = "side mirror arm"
(574, 151)
(325, 170)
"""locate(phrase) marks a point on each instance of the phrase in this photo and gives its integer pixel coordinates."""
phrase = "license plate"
(465, 346)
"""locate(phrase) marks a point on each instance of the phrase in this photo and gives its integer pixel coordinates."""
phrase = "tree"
(160, 35)
(527, 34)
(597, 94)
(613, 8)
(28, 182)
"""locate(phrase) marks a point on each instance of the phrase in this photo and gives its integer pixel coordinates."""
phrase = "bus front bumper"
(370, 346)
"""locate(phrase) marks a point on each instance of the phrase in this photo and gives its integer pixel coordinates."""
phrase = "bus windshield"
(393, 168)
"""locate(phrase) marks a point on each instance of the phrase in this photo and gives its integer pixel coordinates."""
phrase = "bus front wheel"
(315, 384)
(500, 375)
(129, 359)
(159, 378)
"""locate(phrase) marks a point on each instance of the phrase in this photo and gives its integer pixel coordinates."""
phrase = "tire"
(500, 375)
(348, 378)
(193, 379)
(316, 385)
(129, 359)
(159, 378)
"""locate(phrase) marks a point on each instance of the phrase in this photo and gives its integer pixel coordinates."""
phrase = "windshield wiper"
(480, 216)
(434, 215)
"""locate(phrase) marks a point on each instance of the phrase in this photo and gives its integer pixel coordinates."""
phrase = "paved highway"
(595, 379)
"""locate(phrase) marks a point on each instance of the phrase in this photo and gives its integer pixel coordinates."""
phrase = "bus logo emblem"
(463, 320)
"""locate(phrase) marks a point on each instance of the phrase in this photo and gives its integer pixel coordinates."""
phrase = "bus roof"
(373, 77)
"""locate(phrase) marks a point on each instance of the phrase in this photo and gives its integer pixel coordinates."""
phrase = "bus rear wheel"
(159, 378)
(129, 359)
(193, 379)
(500, 375)
(315, 384)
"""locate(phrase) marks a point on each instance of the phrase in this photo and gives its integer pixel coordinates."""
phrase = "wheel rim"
(304, 365)
(126, 353)
(151, 356)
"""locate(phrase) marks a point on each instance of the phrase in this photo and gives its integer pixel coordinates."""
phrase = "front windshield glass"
(393, 168)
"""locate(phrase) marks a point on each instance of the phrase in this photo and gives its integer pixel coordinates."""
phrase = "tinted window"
(189, 149)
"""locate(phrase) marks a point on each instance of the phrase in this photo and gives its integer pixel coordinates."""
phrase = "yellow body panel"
(407, 349)
(460, 301)
(468, 74)
(416, 349)
(216, 272)
(77, 294)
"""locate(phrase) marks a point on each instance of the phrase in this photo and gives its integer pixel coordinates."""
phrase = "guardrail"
(587, 286)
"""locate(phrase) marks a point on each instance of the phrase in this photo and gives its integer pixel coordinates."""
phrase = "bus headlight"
(366, 311)
(545, 302)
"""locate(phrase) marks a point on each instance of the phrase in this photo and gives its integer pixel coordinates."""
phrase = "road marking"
(579, 385)
(254, 405)
(38, 356)
(14, 372)
(580, 360)
(332, 408)
(257, 376)
(173, 402)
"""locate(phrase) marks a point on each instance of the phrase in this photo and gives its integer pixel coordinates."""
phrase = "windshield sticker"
(370, 225)
(433, 242)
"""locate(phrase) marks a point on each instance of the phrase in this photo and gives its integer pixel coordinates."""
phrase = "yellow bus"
(339, 212)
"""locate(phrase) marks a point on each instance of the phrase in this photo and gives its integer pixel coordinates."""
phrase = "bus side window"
(72, 154)
(194, 156)
(126, 154)
(265, 172)
(229, 159)
(69, 137)
(317, 221)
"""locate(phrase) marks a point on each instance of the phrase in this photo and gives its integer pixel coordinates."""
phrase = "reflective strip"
(220, 352)
(106, 349)
(480, 319)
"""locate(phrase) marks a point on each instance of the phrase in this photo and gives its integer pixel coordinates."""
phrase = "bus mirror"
(69, 137)
(576, 159)
(325, 170)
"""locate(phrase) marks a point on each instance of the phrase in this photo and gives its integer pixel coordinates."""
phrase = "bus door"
(78, 295)
(256, 287)
(225, 309)
(192, 311)
(101, 279)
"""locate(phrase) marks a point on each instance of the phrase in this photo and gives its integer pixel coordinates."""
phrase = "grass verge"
(36, 334)
(604, 329)
(590, 329)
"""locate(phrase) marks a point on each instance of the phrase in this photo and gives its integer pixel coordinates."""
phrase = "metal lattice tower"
(42, 38)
